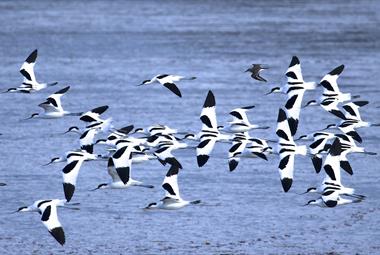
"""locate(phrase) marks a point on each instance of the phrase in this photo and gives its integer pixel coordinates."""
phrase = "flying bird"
(167, 80)
(172, 199)
(255, 70)
(29, 84)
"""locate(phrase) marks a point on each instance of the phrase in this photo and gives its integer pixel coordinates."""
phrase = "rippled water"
(103, 48)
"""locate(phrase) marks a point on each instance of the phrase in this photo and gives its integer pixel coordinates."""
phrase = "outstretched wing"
(329, 81)
(173, 88)
(53, 102)
(94, 114)
(170, 183)
(240, 114)
(294, 72)
(70, 174)
(27, 69)
(122, 160)
(208, 114)
(50, 220)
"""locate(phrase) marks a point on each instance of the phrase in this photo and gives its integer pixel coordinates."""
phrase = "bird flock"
(125, 146)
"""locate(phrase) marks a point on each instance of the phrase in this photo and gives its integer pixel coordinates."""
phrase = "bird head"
(151, 206)
(274, 90)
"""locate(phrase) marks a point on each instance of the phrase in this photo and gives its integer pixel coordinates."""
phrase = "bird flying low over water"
(331, 189)
(167, 80)
(172, 199)
(255, 70)
(49, 217)
(240, 122)
(120, 169)
(53, 107)
(29, 83)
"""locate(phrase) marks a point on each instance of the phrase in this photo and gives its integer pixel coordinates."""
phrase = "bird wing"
(293, 108)
(27, 68)
(283, 129)
(164, 154)
(240, 114)
(173, 88)
(286, 169)
(170, 183)
(352, 109)
(94, 114)
(330, 197)
(53, 102)
(208, 114)
(87, 139)
(70, 173)
(330, 104)
(234, 154)
(122, 160)
(204, 149)
(332, 162)
(294, 72)
(329, 81)
(112, 171)
(50, 220)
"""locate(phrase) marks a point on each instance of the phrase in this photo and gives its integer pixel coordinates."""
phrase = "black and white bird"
(120, 169)
(168, 81)
(172, 199)
(295, 79)
(70, 172)
(287, 150)
(332, 96)
(30, 84)
(255, 70)
(49, 217)
(240, 122)
(53, 107)
(332, 180)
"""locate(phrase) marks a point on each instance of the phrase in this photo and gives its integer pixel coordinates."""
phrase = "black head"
(273, 90)
(21, 208)
(100, 186)
(151, 205)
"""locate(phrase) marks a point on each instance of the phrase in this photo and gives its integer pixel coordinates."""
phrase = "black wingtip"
(336, 148)
(331, 203)
(58, 234)
(68, 189)
(210, 100)
(346, 166)
(337, 71)
(100, 110)
(202, 160)
(126, 130)
(355, 136)
(32, 57)
(286, 184)
(317, 163)
(295, 61)
(233, 164)
(281, 115)
(62, 91)
(361, 103)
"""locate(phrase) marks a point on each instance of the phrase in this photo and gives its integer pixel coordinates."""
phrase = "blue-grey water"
(103, 48)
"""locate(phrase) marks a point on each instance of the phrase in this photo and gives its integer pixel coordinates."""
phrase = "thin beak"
(13, 212)
(93, 189)
(247, 70)
(140, 84)
(376, 125)
(302, 193)
(370, 153)
(47, 164)
(266, 127)
(270, 92)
